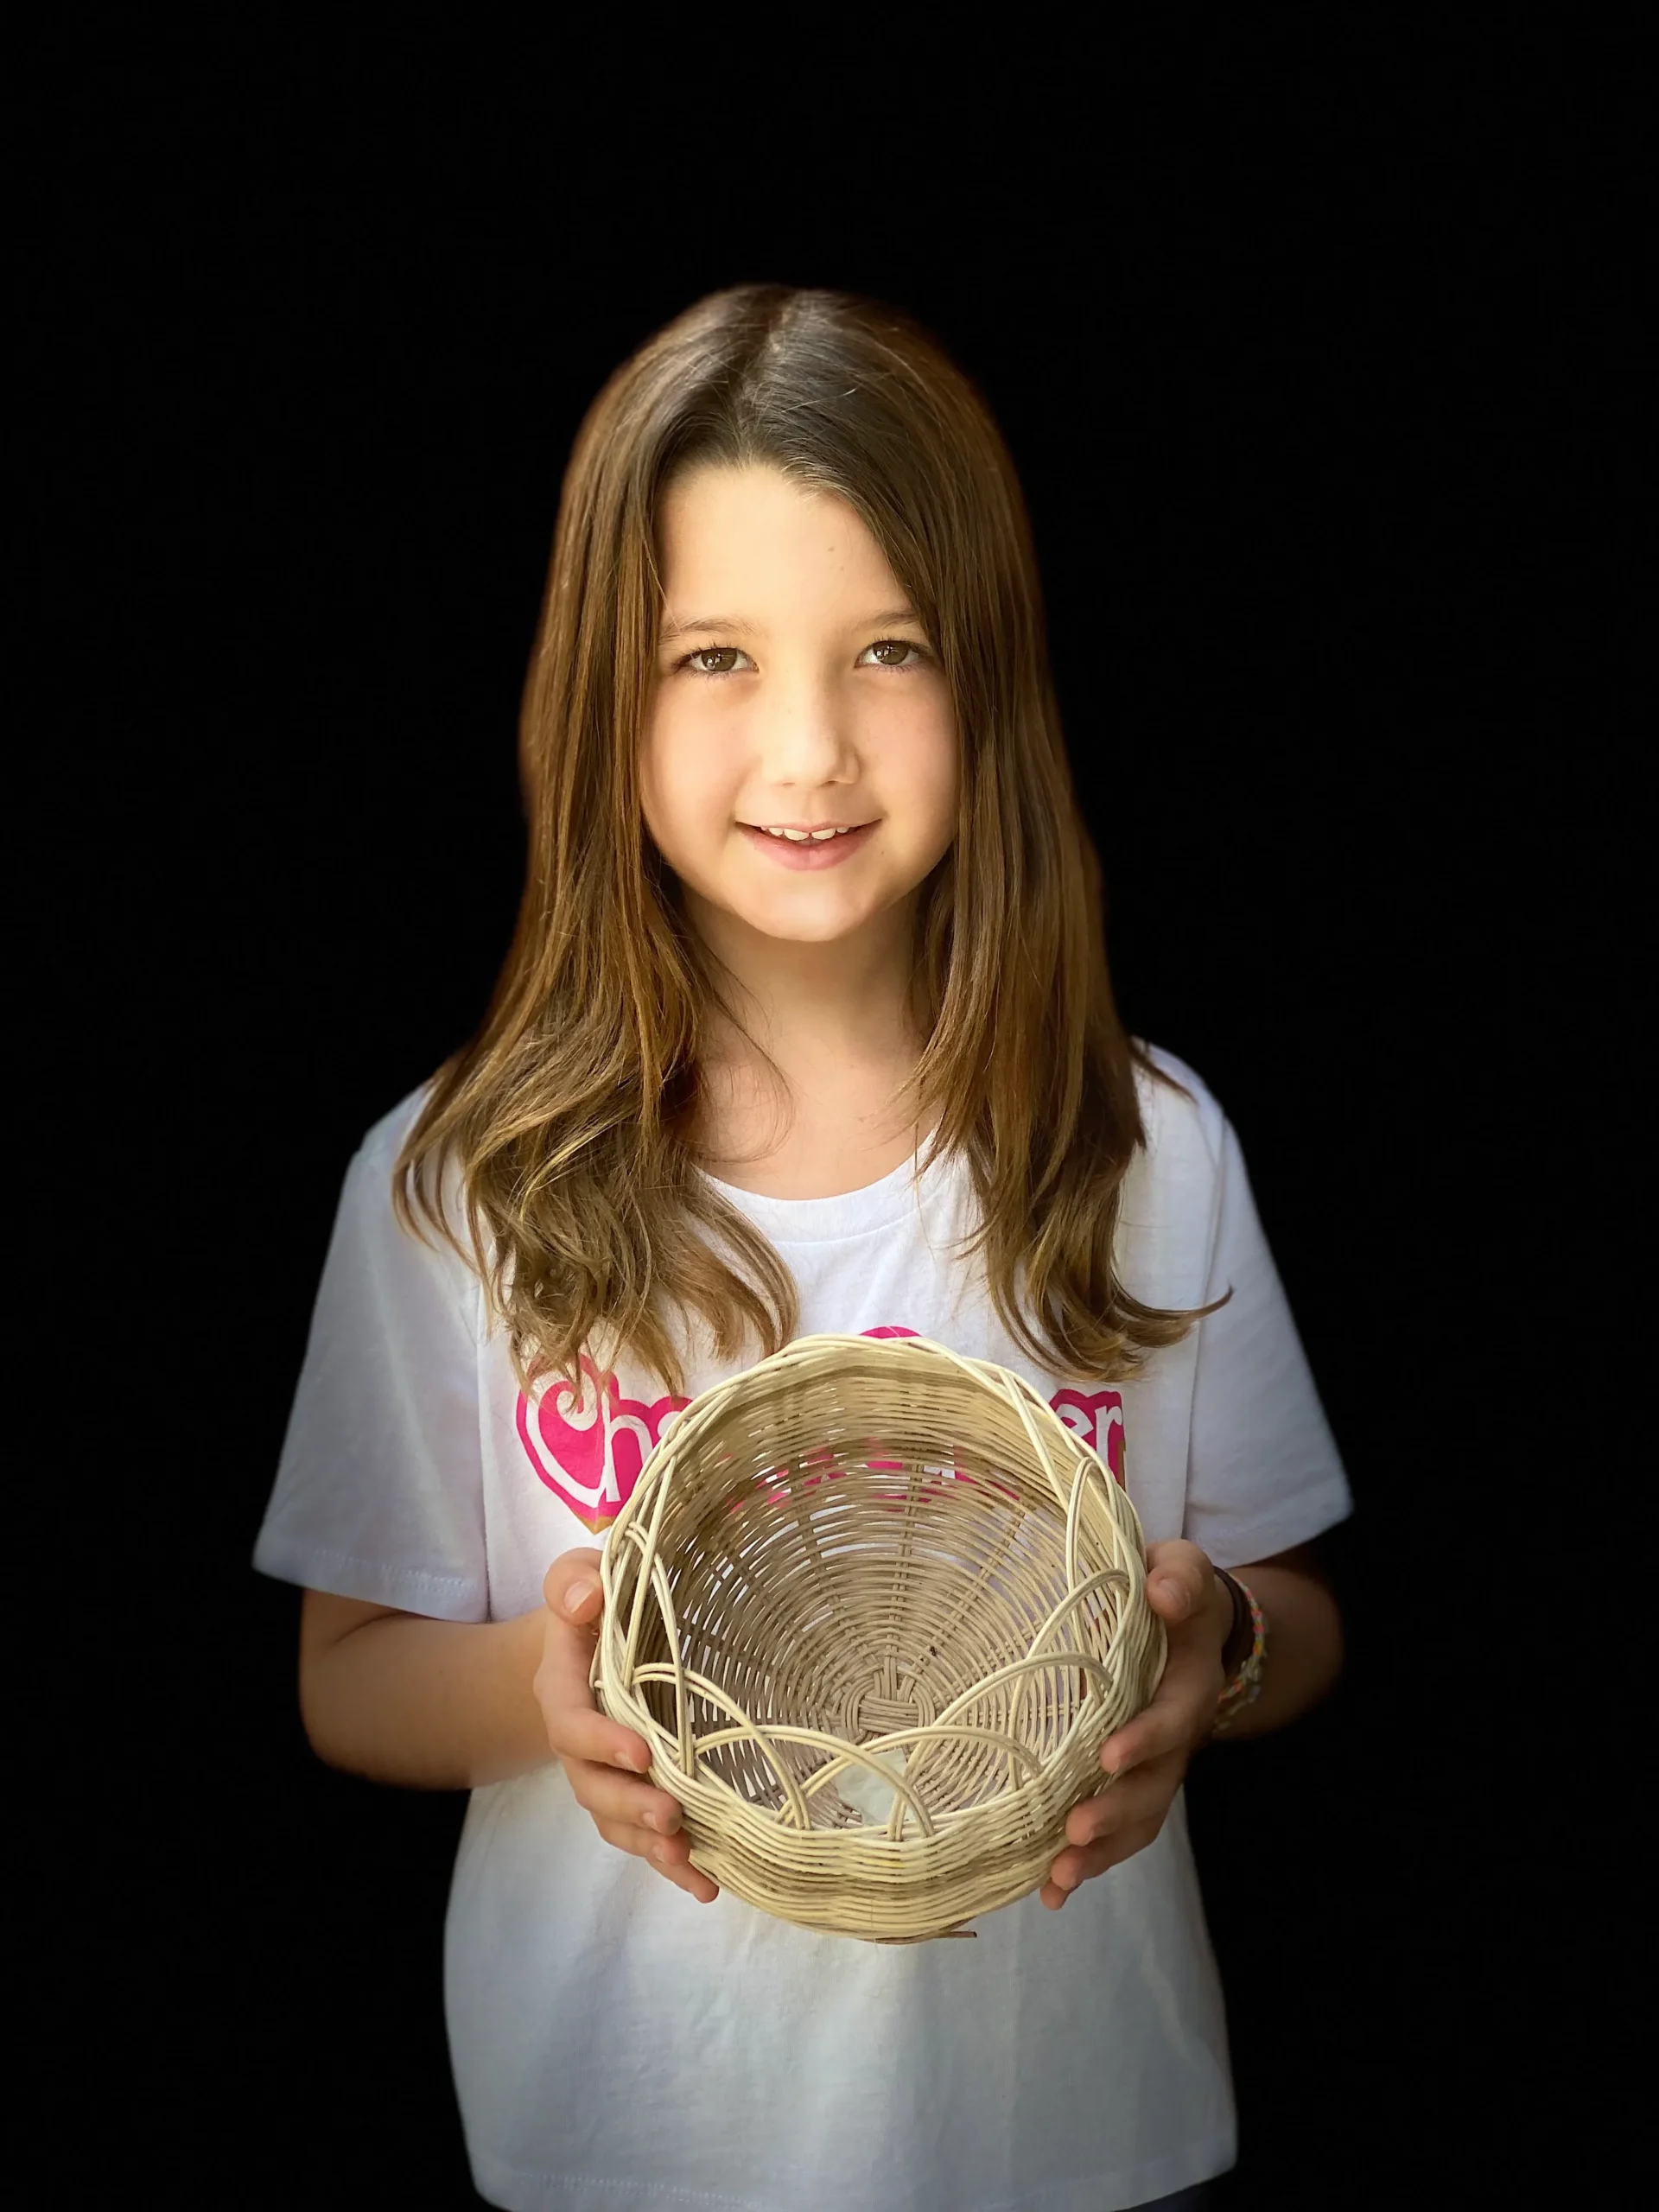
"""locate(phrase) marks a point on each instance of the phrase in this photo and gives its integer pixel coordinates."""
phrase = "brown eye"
(890, 651)
(722, 656)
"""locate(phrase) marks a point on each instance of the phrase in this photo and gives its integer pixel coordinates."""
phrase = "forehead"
(749, 539)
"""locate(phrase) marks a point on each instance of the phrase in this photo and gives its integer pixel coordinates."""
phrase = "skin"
(795, 685)
(813, 697)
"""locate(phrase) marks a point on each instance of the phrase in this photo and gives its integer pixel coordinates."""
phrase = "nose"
(804, 739)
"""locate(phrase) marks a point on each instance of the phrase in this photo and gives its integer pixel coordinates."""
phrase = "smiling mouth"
(824, 836)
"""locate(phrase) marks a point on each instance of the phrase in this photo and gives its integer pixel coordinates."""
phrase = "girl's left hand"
(1149, 1755)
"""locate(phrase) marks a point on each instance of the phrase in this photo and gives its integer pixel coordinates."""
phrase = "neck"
(842, 1004)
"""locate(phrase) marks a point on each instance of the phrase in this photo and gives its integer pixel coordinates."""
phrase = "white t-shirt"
(617, 2044)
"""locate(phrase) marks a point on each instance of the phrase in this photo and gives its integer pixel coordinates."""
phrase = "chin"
(792, 929)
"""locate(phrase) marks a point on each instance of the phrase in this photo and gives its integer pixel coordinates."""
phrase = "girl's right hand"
(628, 1811)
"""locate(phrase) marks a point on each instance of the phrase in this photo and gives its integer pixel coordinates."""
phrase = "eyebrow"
(733, 626)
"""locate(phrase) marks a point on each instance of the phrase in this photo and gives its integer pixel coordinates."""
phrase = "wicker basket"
(874, 1608)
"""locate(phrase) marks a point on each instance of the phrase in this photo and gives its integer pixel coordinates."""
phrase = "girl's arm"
(432, 1705)
(456, 1705)
(1304, 1650)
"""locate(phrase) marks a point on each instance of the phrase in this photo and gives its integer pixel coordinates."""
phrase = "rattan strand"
(864, 1546)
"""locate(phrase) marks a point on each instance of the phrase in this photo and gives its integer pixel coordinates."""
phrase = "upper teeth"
(798, 836)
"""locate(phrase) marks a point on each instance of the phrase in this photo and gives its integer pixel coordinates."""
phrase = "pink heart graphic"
(590, 1453)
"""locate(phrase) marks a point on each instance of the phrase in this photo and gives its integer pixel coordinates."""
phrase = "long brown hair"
(570, 1115)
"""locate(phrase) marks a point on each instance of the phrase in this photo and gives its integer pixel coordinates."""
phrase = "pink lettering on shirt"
(590, 1453)
(1098, 1417)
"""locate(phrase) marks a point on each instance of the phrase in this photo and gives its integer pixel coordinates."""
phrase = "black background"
(1306, 343)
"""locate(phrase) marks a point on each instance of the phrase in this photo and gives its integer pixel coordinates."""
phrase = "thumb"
(1178, 1580)
(571, 1586)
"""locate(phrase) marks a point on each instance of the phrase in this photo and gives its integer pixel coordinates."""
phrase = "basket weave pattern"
(874, 1608)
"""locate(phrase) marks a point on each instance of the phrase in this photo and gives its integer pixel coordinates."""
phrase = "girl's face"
(794, 689)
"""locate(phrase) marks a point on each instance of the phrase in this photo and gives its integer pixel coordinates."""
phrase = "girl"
(806, 1025)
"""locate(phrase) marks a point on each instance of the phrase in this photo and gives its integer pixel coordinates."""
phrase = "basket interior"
(860, 1584)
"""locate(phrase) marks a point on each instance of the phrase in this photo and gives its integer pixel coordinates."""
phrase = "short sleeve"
(379, 1492)
(1264, 1471)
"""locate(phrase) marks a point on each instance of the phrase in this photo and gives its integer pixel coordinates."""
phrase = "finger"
(627, 1802)
(571, 1588)
(575, 1726)
(1179, 1579)
(1180, 1710)
(633, 1815)
(1180, 1713)
(1145, 1794)
(668, 1856)
(577, 1729)
(672, 1859)
(1182, 1706)
(1072, 1868)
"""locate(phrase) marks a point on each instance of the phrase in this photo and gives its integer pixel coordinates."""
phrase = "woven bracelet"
(1246, 1685)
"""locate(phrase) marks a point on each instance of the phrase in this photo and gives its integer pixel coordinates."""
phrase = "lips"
(810, 854)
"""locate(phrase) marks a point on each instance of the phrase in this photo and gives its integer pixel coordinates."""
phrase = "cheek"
(925, 752)
(685, 783)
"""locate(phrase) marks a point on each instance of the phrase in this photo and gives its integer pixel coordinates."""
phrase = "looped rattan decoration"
(874, 1608)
